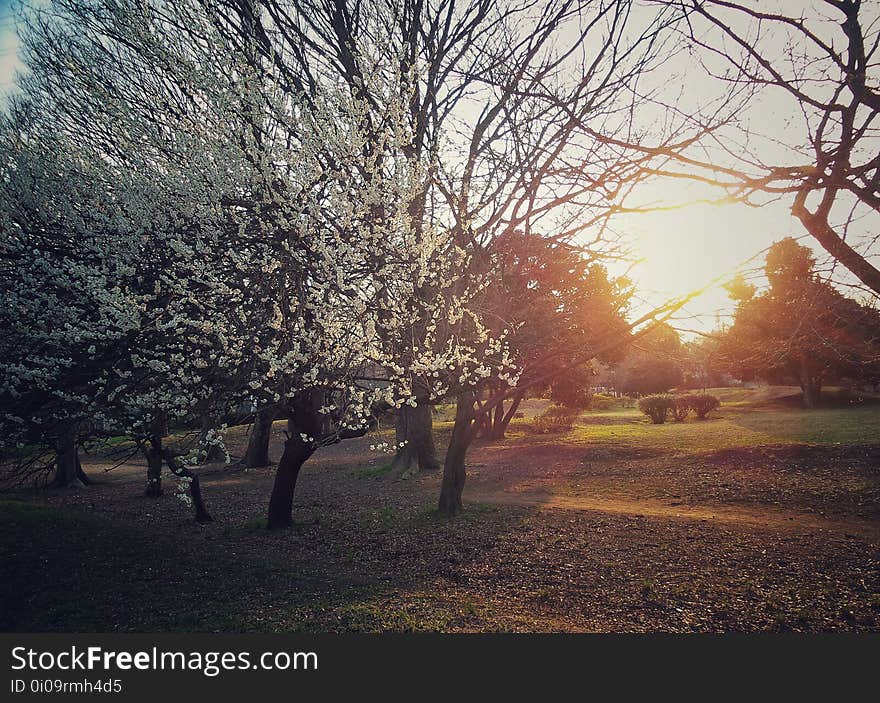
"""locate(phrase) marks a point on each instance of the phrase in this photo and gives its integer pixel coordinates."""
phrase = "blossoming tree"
(323, 185)
(275, 251)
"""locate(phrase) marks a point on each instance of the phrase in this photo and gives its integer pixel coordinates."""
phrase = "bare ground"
(557, 536)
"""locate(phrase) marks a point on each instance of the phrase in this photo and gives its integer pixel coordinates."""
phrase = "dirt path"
(763, 516)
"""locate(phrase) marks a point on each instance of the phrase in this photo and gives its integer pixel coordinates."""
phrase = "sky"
(684, 250)
(679, 250)
(8, 46)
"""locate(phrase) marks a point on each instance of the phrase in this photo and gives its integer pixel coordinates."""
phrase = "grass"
(859, 425)
(256, 524)
(384, 515)
(372, 471)
(14, 513)
(419, 614)
(743, 425)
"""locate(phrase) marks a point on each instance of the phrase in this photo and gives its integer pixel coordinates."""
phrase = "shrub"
(656, 407)
(604, 402)
(681, 407)
(567, 393)
(703, 404)
(573, 388)
(554, 420)
(560, 411)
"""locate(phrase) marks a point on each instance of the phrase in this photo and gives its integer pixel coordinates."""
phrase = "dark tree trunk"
(483, 427)
(483, 421)
(195, 492)
(812, 392)
(454, 471)
(154, 468)
(414, 427)
(303, 420)
(501, 419)
(498, 421)
(258, 442)
(68, 469)
(82, 475)
(211, 452)
(811, 385)
(296, 452)
(195, 487)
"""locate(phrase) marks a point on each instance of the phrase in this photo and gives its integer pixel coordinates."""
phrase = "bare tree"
(509, 116)
(814, 65)
(509, 96)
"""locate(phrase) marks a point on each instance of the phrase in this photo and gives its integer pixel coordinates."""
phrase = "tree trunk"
(296, 452)
(812, 392)
(211, 452)
(483, 427)
(258, 442)
(195, 492)
(154, 468)
(500, 420)
(811, 385)
(414, 428)
(303, 420)
(454, 470)
(195, 487)
(82, 475)
(68, 472)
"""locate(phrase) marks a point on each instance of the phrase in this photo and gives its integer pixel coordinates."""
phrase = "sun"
(684, 249)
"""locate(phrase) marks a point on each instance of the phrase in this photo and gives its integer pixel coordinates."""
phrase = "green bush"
(702, 404)
(604, 402)
(560, 411)
(554, 420)
(573, 388)
(657, 407)
(681, 407)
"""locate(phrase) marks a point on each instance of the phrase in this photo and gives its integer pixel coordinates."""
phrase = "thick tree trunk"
(82, 475)
(811, 386)
(154, 468)
(454, 470)
(414, 428)
(68, 472)
(303, 420)
(258, 441)
(812, 392)
(195, 492)
(296, 452)
(500, 420)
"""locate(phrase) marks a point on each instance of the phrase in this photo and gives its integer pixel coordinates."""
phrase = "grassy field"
(764, 517)
(735, 427)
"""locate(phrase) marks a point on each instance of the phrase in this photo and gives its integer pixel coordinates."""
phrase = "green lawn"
(730, 427)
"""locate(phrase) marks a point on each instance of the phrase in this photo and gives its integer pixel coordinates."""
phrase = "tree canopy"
(653, 364)
(801, 328)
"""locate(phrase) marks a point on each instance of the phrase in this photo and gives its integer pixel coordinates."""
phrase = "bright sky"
(685, 249)
(680, 250)
(8, 46)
